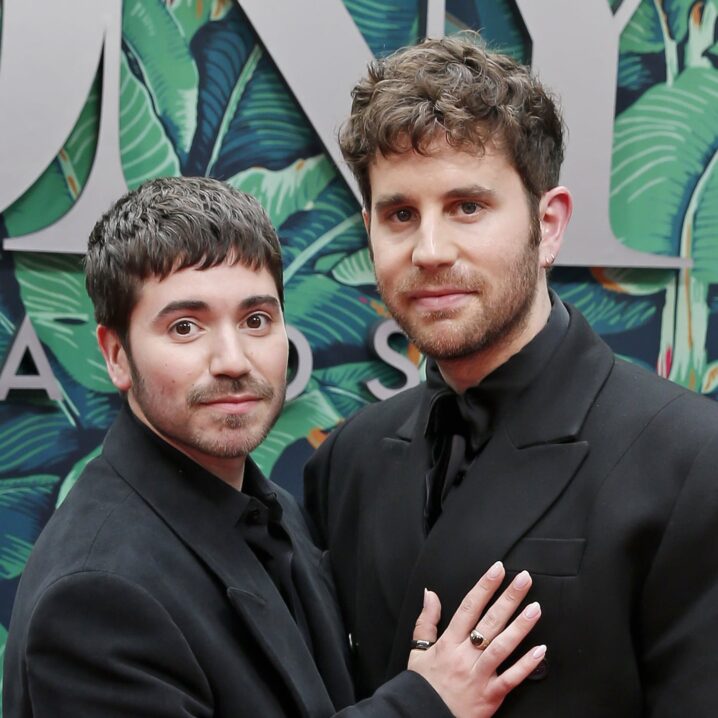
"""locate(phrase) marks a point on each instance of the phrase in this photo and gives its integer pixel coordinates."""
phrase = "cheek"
(386, 266)
(270, 359)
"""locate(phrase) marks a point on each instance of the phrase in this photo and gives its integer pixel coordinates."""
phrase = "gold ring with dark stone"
(479, 640)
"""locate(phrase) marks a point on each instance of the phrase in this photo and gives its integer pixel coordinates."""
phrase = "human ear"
(555, 210)
(115, 356)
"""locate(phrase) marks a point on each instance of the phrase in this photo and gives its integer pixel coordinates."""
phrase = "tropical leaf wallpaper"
(199, 95)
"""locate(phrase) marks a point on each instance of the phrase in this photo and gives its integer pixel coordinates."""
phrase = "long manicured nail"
(538, 653)
(522, 580)
(532, 610)
(495, 570)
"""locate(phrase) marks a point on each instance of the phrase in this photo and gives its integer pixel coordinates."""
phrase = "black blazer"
(603, 483)
(137, 601)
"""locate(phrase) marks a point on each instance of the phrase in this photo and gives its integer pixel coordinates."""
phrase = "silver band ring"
(421, 645)
(479, 640)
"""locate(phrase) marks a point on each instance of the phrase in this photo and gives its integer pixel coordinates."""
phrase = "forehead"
(225, 284)
(440, 168)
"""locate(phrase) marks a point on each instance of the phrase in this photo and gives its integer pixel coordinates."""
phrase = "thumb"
(425, 628)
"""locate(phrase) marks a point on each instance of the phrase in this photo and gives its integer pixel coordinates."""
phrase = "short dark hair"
(169, 224)
(456, 88)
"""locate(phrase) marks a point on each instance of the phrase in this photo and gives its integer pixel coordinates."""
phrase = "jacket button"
(540, 672)
(353, 645)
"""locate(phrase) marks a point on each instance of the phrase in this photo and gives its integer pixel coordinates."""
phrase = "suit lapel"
(189, 512)
(264, 612)
(521, 472)
(397, 512)
(314, 586)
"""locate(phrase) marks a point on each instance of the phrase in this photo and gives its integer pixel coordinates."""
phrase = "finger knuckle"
(468, 605)
(490, 620)
(500, 646)
(501, 687)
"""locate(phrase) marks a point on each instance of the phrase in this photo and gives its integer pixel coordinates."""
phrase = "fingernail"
(538, 653)
(522, 579)
(426, 593)
(495, 570)
(532, 610)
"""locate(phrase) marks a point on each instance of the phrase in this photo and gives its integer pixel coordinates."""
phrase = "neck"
(463, 373)
(229, 470)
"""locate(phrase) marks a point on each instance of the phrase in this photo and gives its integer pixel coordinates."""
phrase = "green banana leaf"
(289, 190)
(25, 505)
(306, 413)
(355, 270)
(333, 225)
(191, 15)
(664, 179)
(52, 287)
(160, 55)
(345, 384)
(645, 34)
(386, 25)
(34, 440)
(499, 22)
(268, 128)
(74, 474)
(146, 150)
(606, 311)
(55, 191)
(227, 53)
(327, 313)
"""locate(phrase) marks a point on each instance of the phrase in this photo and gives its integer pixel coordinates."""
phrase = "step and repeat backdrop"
(97, 96)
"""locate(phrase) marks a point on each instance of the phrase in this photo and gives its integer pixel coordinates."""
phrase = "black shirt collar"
(230, 503)
(484, 405)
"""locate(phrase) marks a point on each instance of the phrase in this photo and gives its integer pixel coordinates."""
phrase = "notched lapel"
(397, 517)
(277, 634)
(505, 492)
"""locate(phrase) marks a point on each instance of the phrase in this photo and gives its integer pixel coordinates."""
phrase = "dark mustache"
(420, 279)
(224, 387)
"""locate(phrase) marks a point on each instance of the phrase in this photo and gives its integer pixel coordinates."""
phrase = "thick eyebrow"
(195, 305)
(182, 305)
(260, 300)
(390, 200)
(474, 190)
(394, 200)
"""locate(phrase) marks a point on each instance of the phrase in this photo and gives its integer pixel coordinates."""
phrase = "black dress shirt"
(256, 514)
(460, 425)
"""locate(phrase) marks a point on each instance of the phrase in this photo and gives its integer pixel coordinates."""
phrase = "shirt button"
(540, 672)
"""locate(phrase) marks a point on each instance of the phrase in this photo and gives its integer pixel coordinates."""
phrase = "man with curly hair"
(530, 440)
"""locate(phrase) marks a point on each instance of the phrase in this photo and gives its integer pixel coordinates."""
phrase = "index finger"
(472, 606)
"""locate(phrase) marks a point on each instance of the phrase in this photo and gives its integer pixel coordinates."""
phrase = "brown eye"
(257, 321)
(183, 328)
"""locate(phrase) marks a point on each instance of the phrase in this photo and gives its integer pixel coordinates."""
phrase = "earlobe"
(554, 212)
(115, 357)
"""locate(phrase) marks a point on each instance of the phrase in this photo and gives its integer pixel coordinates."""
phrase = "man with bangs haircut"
(530, 441)
(175, 580)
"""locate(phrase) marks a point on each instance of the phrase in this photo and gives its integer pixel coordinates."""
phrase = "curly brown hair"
(455, 87)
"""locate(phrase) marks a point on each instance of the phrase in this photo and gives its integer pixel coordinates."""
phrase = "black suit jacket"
(603, 483)
(137, 601)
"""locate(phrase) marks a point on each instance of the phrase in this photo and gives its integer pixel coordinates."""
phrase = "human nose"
(228, 354)
(433, 246)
